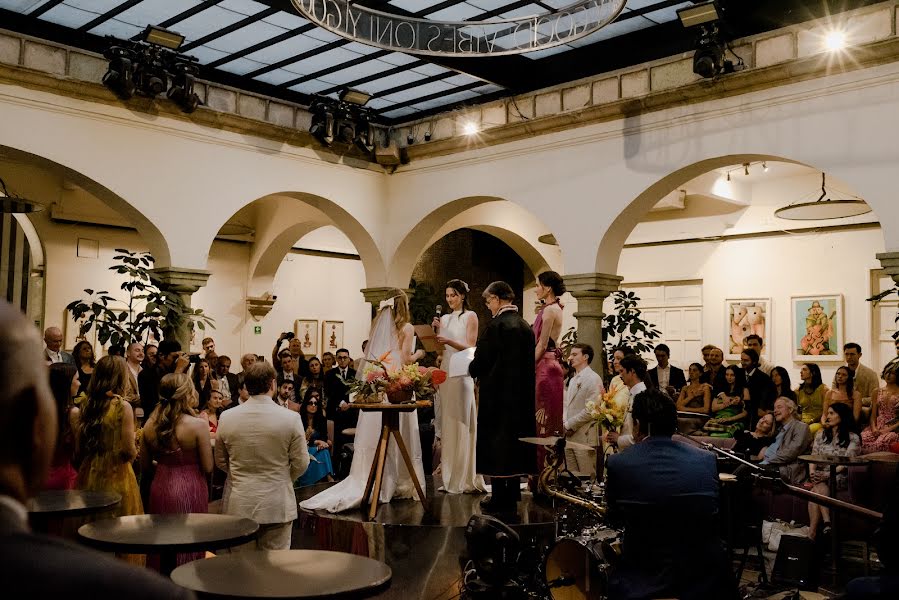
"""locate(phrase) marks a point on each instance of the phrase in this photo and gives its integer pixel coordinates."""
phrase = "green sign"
(257, 329)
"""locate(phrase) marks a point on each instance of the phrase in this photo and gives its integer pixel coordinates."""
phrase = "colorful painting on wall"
(818, 328)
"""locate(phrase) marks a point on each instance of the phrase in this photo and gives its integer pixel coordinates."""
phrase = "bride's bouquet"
(606, 411)
(399, 386)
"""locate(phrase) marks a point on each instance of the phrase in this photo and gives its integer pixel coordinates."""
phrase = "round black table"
(50, 505)
(167, 535)
(306, 574)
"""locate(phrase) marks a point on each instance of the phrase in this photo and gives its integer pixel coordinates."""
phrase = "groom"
(503, 364)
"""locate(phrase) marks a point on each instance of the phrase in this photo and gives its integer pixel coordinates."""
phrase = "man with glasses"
(340, 417)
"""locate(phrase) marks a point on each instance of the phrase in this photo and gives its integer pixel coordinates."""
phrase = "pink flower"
(372, 376)
(438, 376)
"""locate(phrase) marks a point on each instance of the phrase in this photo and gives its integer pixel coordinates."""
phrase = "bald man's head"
(27, 414)
(53, 338)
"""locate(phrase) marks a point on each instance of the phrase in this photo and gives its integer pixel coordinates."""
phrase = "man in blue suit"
(665, 493)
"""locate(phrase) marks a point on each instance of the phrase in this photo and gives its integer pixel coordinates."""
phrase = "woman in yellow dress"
(106, 442)
(810, 396)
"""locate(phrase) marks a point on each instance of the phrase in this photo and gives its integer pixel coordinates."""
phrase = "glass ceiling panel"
(241, 66)
(612, 30)
(420, 91)
(207, 21)
(117, 28)
(666, 15)
(325, 60)
(313, 86)
(392, 81)
(21, 6)
(430, 69)
(400, 112)
(290, 47)
(244, 7)
(444, 100)
(246, 36)
(286, 19)
(486, 5)
(155, 12)
(462, 79)
(206, 54)
(415, 5)
(359, 71)
(75, 14)
(398, 58)
(277, 77)
(457, 12)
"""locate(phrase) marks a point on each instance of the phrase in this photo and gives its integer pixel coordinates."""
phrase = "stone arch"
(505, 220)
(156, 242)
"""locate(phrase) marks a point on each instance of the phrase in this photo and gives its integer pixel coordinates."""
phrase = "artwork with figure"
(306, 331)
(818, 327)
(332, 336)
(747, 317)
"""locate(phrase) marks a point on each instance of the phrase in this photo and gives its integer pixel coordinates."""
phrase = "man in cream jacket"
(580, 426)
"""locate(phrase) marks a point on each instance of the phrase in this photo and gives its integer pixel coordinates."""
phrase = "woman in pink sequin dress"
(884, 412)
(550, 376)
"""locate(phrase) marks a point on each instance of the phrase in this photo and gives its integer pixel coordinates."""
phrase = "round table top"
(887, 457)
(388, 407)
(71, 502)
(184, 532)
(826, 459)
(686, 414)
(303, 574)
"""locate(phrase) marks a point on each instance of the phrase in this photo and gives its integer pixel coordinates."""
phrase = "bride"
(457, 415)
(391, 341)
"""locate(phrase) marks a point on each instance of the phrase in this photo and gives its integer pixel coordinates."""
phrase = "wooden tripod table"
(390, 425)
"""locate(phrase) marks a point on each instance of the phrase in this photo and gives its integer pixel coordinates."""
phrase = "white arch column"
(590, 290)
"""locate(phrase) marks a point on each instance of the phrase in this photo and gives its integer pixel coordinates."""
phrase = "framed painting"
(817, 331)
(746, 316)
(306, 331)
(71, 334)
(332, 336)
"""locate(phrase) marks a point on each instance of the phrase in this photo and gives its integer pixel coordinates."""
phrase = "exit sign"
(257, 329)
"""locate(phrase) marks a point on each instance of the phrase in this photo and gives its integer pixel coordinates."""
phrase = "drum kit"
(578, 563)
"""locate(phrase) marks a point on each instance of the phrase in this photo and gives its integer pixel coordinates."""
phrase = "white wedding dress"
(396, 482)
(457, 418)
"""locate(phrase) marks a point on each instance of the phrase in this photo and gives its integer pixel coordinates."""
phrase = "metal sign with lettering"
(461, 38)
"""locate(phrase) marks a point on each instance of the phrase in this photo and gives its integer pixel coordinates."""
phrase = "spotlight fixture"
(119, 77)
(162, 37)
(182, 90)
(356, 97)
(342, 123)
(322, 127)
(708, 60)
(706, 12)
(364, 138)
(823, 208)
(410, 139)
(427, 136)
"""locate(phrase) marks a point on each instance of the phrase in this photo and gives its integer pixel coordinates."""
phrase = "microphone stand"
(779, 485)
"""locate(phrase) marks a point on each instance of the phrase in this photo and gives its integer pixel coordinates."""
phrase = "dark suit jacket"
(335, 390)
(761, 395)
(666, 495)
(47, 567)
(718, 383)
(677, 379)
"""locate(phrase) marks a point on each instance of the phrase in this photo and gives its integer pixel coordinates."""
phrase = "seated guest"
(315, 378)
(316, 439)
(664, 375)
(729, 413)
(843, 391)
(705, 355)
(286, 372)
(882, 433)
(228, 381)
(780, 377)
(285, 396)
(203, 377)
(177, 442)
(752, 444)
(149, 361)
(83, 352)
(761, 389)
(836, 438)
(793, 439)
(714, 370)
(810, 396)
(665, 493)
(64, 386)
(328, 362)
(695, 396)
(210, 411)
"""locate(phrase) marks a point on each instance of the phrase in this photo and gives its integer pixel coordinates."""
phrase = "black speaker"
(796, 563)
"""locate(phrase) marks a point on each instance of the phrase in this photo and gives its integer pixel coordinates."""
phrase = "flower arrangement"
(398, 385)
(606, 411)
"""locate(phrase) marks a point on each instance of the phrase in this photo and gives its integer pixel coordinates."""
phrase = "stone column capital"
(890, 263)
(595, 285)
(180, 280)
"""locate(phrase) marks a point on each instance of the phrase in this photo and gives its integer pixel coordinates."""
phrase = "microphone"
(439, 310)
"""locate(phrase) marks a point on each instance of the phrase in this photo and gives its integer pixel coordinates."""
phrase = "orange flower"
(385, 358)
(438, 376)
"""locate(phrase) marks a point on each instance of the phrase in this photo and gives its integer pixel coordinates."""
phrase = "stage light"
(119, 77)
(470, 128)
(364, 139)
(356, 97)
(835, 41)
(322, 127)
(699, 14)
(427, 136)
(708, 61)
(182, 90)
(162, 37)
(410, 139)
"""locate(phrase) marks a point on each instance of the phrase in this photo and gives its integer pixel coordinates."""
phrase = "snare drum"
(577, 568)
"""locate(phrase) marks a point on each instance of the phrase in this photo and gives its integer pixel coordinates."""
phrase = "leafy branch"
(877, 298)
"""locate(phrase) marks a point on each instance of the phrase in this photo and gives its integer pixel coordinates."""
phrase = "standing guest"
(134, 356)
(210, 411)
(752, 444)
(300, 368)
(456, 413)
(245, 361)
(202, 378)
(810, 396)
(262, 448)
(793, 439)
(633, 375)
(287, 371)
(761, 389)
(780, 377)
(209, 351)
(177, 442)
(339, 415)
(865, 378)
(837, 438)
(47, 567)
(315, 378)
(328, 362)
(286, 395)
(317, 443)
(882, 432)
(84, 362)
(844, 391)
(228, 381)
(169, 359)
(585, 386)
(714, 372)
(358, 361)
(64, 386)
(706, 350)
(664, 376)
(150, 351)
(549, 374)
(695, 396)
(106, 441)
(665, 493)
(729, 408)
(53, 352)
(755, 342)
(504, 367)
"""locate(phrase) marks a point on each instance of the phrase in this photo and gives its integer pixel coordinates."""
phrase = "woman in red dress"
(549, 374)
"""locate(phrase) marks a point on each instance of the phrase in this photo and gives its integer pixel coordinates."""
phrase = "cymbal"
(551, 441)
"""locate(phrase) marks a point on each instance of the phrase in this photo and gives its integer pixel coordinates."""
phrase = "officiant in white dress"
(455, 411)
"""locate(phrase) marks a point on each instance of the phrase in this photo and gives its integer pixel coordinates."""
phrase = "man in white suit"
(580, 427)
(262, 448)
